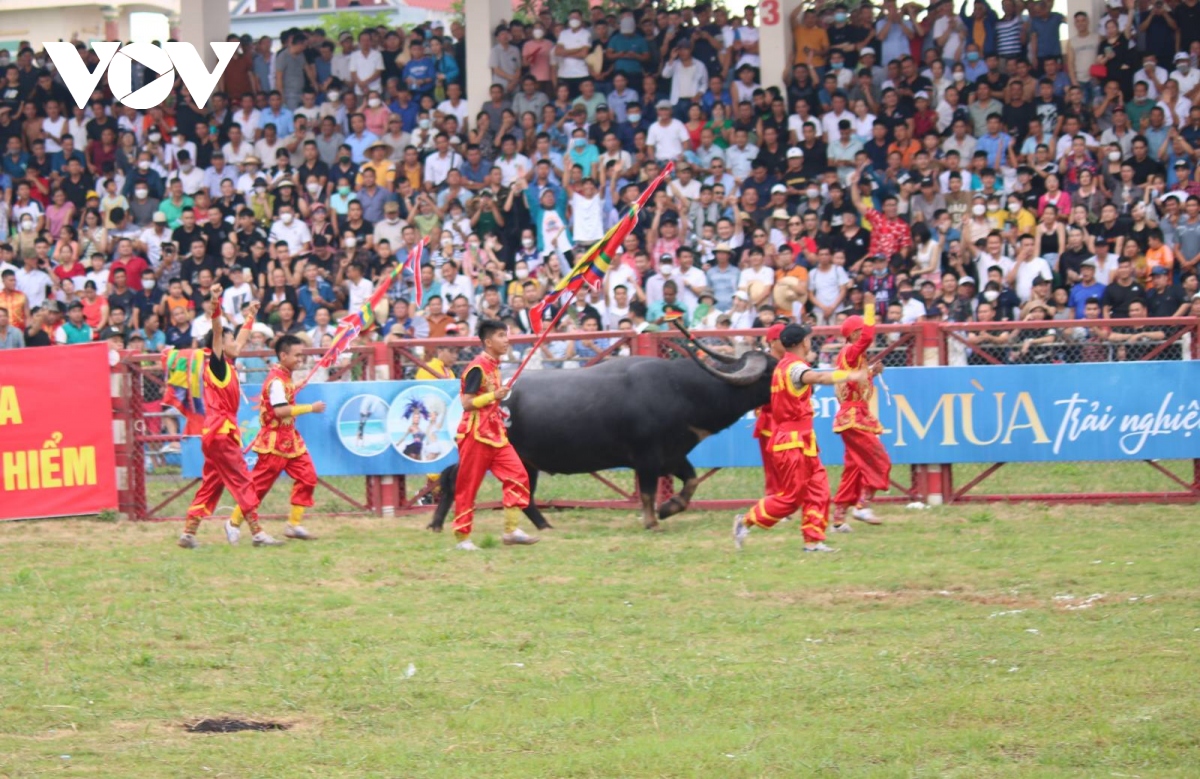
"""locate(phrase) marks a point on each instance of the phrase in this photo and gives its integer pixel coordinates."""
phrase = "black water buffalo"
(642, 413)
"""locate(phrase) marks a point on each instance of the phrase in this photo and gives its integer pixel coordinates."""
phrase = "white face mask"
(960, 76)
(423, 124)
(1014, 207)
(140, 193)
(177, 140)
(261, 190)
(154, 137)
(27, 225)
(1114, 156)
(350, 242)
(527, 243)
(333, 96)
(522, 273)
(538, 33)
(148, 284)
(287, 218)
(813, 193)
(666, 270)
(575, 24)
(143, 164)
(313, 188)
(374, 102)
(979, 210)
(991, 295)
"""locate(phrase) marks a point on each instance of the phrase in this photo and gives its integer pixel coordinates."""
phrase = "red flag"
(413, 262)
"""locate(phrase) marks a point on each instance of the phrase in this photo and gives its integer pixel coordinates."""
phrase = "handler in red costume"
(278, 444)
(221, 441)
(762, 423)
(801, 477)
(868, 467)
(483, 443)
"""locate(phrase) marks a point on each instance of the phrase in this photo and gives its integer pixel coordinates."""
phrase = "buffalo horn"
(748, 369)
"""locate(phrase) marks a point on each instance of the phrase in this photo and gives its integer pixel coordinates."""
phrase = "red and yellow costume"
(801, 480)
(763, 424)
(483, 446)
(867, 465)
(279, 446)
(221, 443)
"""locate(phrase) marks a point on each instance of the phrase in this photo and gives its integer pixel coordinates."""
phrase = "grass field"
(1019, 641)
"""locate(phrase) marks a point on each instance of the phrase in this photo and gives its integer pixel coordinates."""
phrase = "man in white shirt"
(587, 214)
(366, 65)
(339, 66)
(236, 150)
(1184, 74)
(438, 165)
(837, 112)
(512, 165)
(236, 295)
(1153, 76)
(991, 255)
(828, 285)
(668, 137)
(292, 231)
(689, 77)
(691, 280)
(574, 43)
(54, 127)
(1027, 268)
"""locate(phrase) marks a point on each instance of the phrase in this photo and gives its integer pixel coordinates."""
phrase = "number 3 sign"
(769, 11)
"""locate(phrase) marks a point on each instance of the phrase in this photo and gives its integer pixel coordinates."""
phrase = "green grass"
(954, 642)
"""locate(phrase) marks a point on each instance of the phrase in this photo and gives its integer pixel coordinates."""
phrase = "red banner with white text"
(56, 432)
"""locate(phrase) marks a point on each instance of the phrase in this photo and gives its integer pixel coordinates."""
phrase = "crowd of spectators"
(952, 164)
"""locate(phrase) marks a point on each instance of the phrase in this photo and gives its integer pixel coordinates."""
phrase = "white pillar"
(202, 22)
(775, 41)
(481, 17)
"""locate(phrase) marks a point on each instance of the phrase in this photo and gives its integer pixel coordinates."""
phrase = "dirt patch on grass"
(899, 597)
(227, 725)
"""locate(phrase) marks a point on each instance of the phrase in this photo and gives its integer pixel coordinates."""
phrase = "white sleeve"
(276, 394)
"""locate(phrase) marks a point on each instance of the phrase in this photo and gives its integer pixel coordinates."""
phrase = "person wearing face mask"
(145, 176)
(292, 231)
(574, 44)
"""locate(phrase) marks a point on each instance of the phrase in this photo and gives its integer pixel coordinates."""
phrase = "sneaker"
(262, 538)
(741, 531)
(232, 532)
(466, 545)
(188, 541)
(519, 538)
(298, 532)
(842, 528)
(865, 514)
(819, 547)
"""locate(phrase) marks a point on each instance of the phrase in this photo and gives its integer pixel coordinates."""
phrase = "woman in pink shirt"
(536, 55)
(58, 213)
(376, 114)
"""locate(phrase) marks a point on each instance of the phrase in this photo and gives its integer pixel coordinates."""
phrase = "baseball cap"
(1041, 280)
(1159, 271)
(921, 95)
(775, 330)
(111, 332)
(663, 104)
(1090, 262)
(722, 247)
(779, 189)
(967, 280)
(794, 152)
(666, 258)
(779, 213)
(741, 294)
(159, 217)
(74, 305)
(1181, 163)
(1181, 55)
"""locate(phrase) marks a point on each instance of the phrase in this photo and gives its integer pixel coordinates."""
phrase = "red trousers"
(770, 476)
(868, 468)
(803, 485)
(475, 459)
(224, 469)
(304, 476)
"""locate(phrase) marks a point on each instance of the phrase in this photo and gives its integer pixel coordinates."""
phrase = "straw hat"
(787, 292)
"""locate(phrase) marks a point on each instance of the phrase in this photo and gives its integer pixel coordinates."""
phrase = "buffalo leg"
(679, 501)
(532, 511)
(647, 478)
(447, 482)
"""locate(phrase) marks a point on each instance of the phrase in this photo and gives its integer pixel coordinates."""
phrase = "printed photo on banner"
(422, 422)
(362, 425)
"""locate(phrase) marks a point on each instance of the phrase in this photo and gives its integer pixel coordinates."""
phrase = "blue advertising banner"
(1027, 413)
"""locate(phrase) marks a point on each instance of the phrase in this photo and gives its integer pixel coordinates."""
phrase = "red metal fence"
(145, 436)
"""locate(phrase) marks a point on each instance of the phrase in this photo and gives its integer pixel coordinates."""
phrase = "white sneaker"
(232, 532)
(842, 528)
(519, 538)
(188, 541)
(819, 547)
(741, 531)
(865, 514)
(262, 538)
(466, 545)
(298, 532)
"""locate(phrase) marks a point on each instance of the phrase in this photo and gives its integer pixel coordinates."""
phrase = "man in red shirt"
(221, 440)
(890, 234)
(802, 482)
(483, 443)
(278, 444)
(868, 467)
(134, 265)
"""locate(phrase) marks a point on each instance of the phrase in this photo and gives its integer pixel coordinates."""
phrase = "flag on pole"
(413, 263)
(351, 325)
(597, 260)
